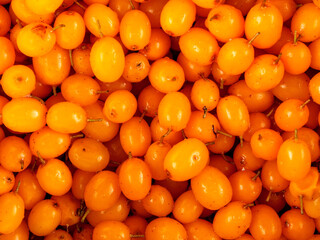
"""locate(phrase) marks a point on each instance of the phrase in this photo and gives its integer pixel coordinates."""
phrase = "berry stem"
(210, 143)
(165, 135)
(85, 215)
(296, 134)
(256, 176)
(57, 27)
(224, 133)
(80, 5)
(269, 196)
(42, 161)
(71, 59)
(278, 59)
(253, 38)
(54, 90)
(131, 4)
(301, 204)
(77, 136)
(205, 110)
(94, 119)
(221, 83)
(99, 29)
(18, 186)
(248, 205)
(305, 103)
(136, 235)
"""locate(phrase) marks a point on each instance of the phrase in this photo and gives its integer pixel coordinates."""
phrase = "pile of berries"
(159, 119)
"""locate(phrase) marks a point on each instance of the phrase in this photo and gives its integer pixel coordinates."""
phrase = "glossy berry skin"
(186, 159)
(233, 115)
(212, 188)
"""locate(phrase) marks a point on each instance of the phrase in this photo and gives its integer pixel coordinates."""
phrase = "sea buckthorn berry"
(29, 189)
(224, 17)
(212, 188)
(265, 223)
(199, 45)
(186, 159)
(107, 59)
(44, 217)
(135, 179)
(12, 210)
(52, 68)
(186, 208)
(265, 73)
(80, 89)
(7, 54)
(21, 11)
(265, 144)
(159, 44)
(239, 212)
(24, 114)
(271, 178)
(54, 177)
(81, 59)
(310, 137)
(201, 229)
(205, 94)
(244, 158)
(18, 81)
(120, 106)
(294, 159)
(266, 19)
(293, 86)
(135, 136)
(314, 88)
(306, 27)
(59, 234)
(291, 114)
(135, 30)
(66, 117)
(136, 67)
(246, 186)
(296, 56)
(15, 154)
(7, 180)
(89, 155)
(36, 39)
(166, 75)
(177, 17)
(158, 202)
(203, 126)
(102, 191)
(315, 56)
(174, 116)
(149, 100)
(233, 115)
(5, 21)
(236, 56)
(70, 29)
(43, 7)
(296, 225)
(165, 228)
(101, 20)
